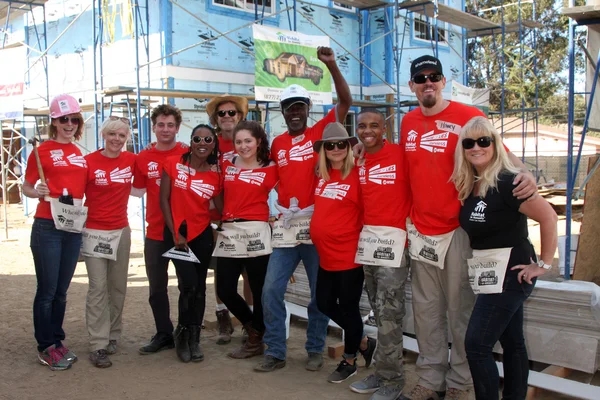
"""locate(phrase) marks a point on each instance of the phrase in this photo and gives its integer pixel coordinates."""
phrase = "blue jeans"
(282, 264)
(499, 317)
(55, 255)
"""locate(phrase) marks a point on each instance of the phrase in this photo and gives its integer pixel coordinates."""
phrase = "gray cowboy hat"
(334, 132)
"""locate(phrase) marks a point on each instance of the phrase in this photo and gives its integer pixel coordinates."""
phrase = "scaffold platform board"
(17, 8)
(584, 15)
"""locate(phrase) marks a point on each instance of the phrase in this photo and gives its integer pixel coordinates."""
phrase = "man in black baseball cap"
(425, 63)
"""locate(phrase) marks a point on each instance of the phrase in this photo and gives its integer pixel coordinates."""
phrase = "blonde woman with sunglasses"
(60, 169)
(107, 238)
(504, 266)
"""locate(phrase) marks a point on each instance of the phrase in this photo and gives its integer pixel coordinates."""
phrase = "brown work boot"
(456, 394)
(225, 327)
(252, 347)
(422, 393)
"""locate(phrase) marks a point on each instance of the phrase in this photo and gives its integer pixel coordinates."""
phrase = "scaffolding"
(579, 18)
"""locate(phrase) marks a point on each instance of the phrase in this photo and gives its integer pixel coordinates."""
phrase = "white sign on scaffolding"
(479, 98)
(12, 83)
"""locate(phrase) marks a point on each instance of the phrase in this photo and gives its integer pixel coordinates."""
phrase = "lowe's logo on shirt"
(478, 214)
(303, 152)
(121, 175)
(335, 191)
(380, 175)
(202, 189)
(434, 142)
(79, 161)
(251, 177)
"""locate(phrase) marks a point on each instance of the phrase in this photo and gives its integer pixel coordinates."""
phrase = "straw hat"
(241, 104)
(334, 132)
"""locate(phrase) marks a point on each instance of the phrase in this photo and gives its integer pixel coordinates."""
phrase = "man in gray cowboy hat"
(293, 153)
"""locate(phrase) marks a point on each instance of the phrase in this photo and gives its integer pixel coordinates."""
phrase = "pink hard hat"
(63, 104)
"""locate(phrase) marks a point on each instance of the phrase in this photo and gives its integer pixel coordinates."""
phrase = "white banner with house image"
(284, 58)
(479, 98)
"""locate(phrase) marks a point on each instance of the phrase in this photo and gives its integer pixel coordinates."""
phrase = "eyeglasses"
(231, 113)
(484, 141)
(420, 79)
(65, 120)
(122, 119)
(342, 144)
(200, 139)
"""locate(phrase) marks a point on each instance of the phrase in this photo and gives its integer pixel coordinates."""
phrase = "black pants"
(228, 274)
(191, 278)
(158, 279)
(338, 297)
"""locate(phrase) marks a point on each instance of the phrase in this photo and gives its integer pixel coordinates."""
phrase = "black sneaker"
(269, 363)
(100, 359)
(369, 351)
(160, 341)
(343, 371)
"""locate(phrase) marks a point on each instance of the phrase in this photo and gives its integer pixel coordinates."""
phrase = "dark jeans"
(157, 268)
(499, 317)
(55, 255)
(192, 279)
(228, 274)
(338, 297)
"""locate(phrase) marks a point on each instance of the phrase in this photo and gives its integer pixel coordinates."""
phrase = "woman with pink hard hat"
(57, 178)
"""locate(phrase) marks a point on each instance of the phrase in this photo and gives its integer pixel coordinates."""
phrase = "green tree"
(556, 107)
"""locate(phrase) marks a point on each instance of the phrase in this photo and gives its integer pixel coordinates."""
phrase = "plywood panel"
(587, 267)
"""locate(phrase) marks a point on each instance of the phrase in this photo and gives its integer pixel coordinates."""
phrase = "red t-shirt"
(107, 190)
(385, 187)
(148, 170)
(226, 148)
(337, 221)
(296, 163)
(63, 166)
(191, 192)
(246, 192)
(429, 144)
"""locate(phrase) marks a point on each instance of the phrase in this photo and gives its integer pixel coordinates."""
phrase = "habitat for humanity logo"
(282, 37)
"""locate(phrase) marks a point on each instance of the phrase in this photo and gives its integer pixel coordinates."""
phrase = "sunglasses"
(484, 141)
(423, 78)
(65, 120)
(342, 144)
(231, 113)
(122, 119)
(200, 139)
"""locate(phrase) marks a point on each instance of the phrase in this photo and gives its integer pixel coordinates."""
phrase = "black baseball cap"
(424, 63)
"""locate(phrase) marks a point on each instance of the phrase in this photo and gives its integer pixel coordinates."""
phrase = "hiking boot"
(422, 393)
(182, 343)
(456, 394)
(370, 384)
(314, 362)
(112, 347)
(244, 335)
(386, 393)
(369, 351)
(269, 363)
(196, 353)
(225, 327)
(53, 359)
(67, 354)
(252, 347)
(343, 371)
(100, 359)
(160, 341)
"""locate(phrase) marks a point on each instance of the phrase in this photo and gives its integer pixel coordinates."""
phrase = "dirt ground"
(133, 376)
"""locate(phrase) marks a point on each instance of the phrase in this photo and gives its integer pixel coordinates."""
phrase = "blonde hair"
(112, 125)
(324, 165)
(53, 132)
(464, 176)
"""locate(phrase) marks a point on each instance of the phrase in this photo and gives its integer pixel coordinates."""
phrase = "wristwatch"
(542, 264)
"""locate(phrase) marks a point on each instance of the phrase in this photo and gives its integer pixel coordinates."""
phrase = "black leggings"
(191, 279)
(338, 297)
(228, 274)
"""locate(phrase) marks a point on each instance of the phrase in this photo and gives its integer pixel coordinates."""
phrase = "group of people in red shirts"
(356, 214)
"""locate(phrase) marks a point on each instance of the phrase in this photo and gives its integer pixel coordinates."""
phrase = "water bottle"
(66, 198)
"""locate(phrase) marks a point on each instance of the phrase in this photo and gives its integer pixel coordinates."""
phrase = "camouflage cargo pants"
(385, 288)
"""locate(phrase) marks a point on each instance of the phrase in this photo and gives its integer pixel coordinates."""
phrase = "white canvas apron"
(67, 217)
(243, 239)
(428, 249)
(487, 269)
(101, 243)
(380, 246)
(298, 233)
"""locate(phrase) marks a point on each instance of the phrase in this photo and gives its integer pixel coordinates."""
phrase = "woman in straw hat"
(225, 113)
(335, 228)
